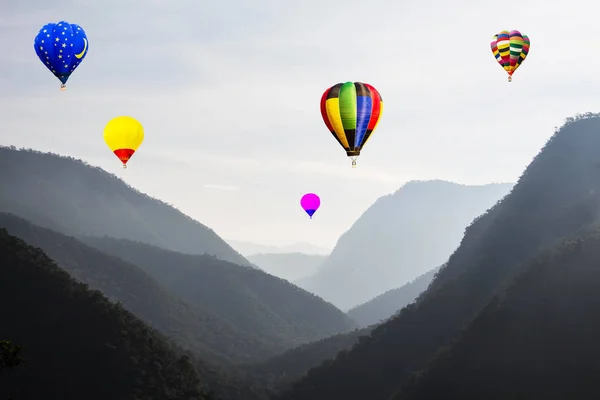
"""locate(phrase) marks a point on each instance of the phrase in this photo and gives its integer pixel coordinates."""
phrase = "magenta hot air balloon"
(310, 202)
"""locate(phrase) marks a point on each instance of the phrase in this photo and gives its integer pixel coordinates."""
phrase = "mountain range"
(178, 293)
(72, 197)
(401, 236)
(77, 343)
(195, 328)
(181, 294)
(270, 308)
(511, 313)
(450, 324)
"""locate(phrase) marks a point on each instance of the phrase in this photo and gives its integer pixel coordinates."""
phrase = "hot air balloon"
(351, 112)
(310, 202)
(510, 49)
(123, 135)
(61, 47)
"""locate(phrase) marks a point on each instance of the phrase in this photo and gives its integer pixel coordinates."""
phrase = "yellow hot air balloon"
(123, 135)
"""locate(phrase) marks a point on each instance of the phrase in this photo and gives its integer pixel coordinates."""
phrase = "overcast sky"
(228, 92)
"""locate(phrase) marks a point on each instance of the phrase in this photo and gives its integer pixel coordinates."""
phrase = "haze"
(228, 93)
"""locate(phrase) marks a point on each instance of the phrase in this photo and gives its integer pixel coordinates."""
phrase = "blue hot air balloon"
(61, 47)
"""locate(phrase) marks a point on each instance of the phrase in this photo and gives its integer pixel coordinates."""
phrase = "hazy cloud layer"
(228, 93)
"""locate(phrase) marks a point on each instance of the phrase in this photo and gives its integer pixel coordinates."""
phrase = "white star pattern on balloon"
(59, 62)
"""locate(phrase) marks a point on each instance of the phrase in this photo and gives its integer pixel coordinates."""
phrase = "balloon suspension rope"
(63, 87)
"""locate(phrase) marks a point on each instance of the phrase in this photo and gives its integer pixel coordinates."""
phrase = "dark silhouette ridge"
(77, 344)
(536, 340)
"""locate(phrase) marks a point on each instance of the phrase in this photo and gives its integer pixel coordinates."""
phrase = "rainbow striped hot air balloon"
(351, 112)
(510, 49)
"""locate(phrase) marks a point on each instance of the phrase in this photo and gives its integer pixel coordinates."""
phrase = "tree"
(9, 355)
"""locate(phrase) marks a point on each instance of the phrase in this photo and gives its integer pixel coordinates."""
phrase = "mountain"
(281, 370)
(401, 236)
(387, 304)
(257, 303)
(247, 248)
(74, 198)
(75, 343)
(288, 266)
(539, 337)
(194, 327)
(557, 196)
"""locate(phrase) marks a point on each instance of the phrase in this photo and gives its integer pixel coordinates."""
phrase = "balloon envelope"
(123, 136)
(61, 47)
(351, 111)
(310, 202)
(510, 50)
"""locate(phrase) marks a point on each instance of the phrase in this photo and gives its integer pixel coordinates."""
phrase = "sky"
(228, 93)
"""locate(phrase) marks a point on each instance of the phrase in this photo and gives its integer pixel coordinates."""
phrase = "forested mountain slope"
(557, 195)
(387, 304)
(74, 198)
(538, 340)
(75, 343)
(255, 302)
(280, 371)
(194, 327)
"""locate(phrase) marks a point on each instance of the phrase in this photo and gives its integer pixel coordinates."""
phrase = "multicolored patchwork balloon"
(351, 112)
(310, 202)
(510, 49)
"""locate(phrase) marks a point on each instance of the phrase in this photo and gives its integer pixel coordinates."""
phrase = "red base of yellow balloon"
(124, 155)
